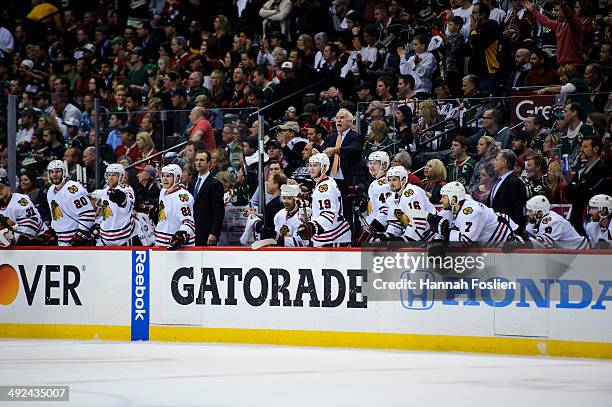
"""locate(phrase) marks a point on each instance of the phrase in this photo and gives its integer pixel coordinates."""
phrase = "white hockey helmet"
(288, 190)
(601, 202)
(398, 171)
(115, 169)
(175, 170)
(381, 156)
(538, 203)
(322, 160)
(58, 165)
(454, 189)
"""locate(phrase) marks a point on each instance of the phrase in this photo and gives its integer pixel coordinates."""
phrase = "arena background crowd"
(430, 82)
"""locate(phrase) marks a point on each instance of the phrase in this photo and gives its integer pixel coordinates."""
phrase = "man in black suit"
(345, 159)
(208, 207)
(592, 178)
(508, 194)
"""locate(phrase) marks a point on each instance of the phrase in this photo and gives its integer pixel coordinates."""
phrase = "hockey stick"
(263, 243)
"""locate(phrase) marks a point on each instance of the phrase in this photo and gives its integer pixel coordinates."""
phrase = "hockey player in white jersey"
(116, 202)
(72, 215)
(405, 197)
(175, 226)
(547, 229)
(598, 229)
(20, 217)
(469, 222)
(289, 219)
(327, 228)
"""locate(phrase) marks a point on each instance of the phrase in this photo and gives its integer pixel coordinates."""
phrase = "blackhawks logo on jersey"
(284, 231)
(183, 197)
(323, 188)
(73, 189)
(545, 220)
(107, 212)
(468, 210)
(56, 212)
(161, 216)
(23, 202)
(409, 192)
(402, 217)
(381, 181)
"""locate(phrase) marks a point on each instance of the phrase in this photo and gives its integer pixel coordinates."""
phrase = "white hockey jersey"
(286, 226)
(378, 209)
(175, 213)
(399, 224)
(476, 222)
(71, 210)
(118, 224)
(327, 214)
(22, 211)
(597, 233)
(554, 231)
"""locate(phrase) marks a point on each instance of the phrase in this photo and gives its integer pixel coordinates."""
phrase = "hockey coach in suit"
(208, 207)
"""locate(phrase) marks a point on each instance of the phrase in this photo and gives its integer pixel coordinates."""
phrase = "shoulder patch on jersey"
(183, 197)
(73, 189)
(468, 210)
(381, 181)
(323, 188)
(546, 220)
(23, 202)
(409, 192)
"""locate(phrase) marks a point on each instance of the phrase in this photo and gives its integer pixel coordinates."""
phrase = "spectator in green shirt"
(461, 168)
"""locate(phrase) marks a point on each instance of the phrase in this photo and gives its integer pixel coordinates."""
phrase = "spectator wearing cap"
(287, 85)
(275, 151)
(128, 145)
(311, 118)
(75, 137)
(508, 194)
(137, 74)
(520, 145)
(292, 141)
(26, 128)
(364, 92)
(118, 45)
(201, 128)
(26, 70)
(146, 190)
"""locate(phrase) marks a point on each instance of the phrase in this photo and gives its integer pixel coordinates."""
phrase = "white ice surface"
(113, 374)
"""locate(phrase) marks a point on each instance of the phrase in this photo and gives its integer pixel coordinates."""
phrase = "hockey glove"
(117, 196)
(49, 238)
(80, 238)
(307, 230)
(439, 225)
(180, 238)
(95, 231)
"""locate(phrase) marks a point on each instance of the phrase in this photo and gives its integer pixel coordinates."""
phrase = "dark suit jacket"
(208, 208)
(350, 157)
(584, 186)
(510, 199)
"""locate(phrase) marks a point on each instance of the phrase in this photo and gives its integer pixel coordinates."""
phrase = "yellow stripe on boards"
(441, 343)
(65, 331)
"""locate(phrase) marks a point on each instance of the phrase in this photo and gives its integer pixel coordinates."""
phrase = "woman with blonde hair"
(428, 115)
(435, 179)
(377, 140)
(219, 161)
(556, 183)
(551, 148)
(145, 144)
(222, 35)
(46, 121)
(573, 87)
(487, 150)
(217, 89)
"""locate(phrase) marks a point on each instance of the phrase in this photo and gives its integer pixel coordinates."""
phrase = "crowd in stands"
(428, 82)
